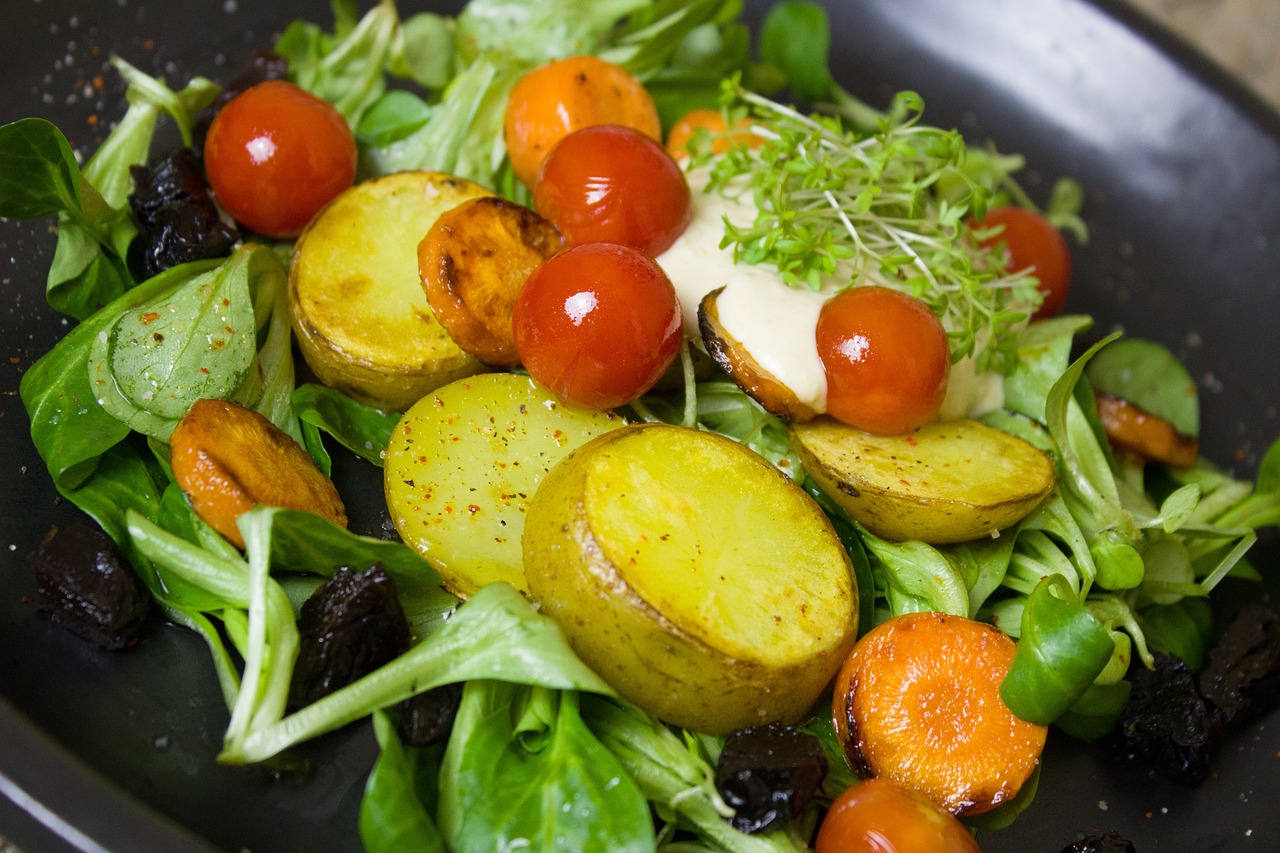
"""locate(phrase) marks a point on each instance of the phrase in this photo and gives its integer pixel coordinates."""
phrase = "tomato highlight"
(598, 324)
(886, 359)
(275, 155)
(612, 184)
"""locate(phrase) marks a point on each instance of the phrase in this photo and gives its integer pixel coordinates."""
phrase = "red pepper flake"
(149, 317)
(15, 359)
(149, 44)
(472, 509)
(92, 120)
(205, 371)
(97, 82)
(911, 440)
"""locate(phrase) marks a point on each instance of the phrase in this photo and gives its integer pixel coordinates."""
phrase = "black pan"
(115, 751)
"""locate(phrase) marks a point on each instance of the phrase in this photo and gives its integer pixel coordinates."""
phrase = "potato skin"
(949, 481)
(751, 630)
(362, 322)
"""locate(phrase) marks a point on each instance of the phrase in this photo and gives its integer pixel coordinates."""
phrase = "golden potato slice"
(463, 464)
(362, 321)
(745, 371)
(948, 481)
(474, 261)
(696, 579)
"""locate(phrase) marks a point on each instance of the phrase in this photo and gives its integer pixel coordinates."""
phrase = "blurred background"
(1241, 35)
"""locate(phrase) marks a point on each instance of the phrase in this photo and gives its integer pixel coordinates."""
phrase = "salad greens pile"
(1118, 562)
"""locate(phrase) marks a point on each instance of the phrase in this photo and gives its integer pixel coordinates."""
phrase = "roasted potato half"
(696, 579)
(362, 321)
(749, 375)
(948, 481)
(463, 464)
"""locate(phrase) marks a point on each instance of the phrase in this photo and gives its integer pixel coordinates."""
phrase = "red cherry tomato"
(878, 816)
(612, 184)
(598, 324)
(1031, 242)
(275, 155)
(886, 359)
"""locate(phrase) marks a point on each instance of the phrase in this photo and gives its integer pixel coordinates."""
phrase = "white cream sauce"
(773, 322)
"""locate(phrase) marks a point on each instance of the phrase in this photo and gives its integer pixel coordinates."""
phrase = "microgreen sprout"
(834, 203)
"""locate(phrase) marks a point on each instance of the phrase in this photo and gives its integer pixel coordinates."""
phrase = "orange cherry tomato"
(553, 100)
(598, 324)
(1031, 242)
(886, 359)
(612, 184)
(682, 133)
(275, 155)
(879, 816)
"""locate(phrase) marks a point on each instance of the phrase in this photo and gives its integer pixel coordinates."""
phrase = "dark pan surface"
(1181, 167)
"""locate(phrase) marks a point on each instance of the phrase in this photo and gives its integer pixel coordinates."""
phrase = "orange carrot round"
(553, 100)
(918, 701)
(685, 129)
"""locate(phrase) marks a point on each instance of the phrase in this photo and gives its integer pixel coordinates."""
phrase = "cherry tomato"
(612, 184)
(275, 155)
(598, 324)
(886, 359)
(1031, 242)
(878, 816)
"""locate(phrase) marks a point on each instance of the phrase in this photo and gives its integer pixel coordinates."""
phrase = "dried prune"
(176, 217)
(1166, 722)
(427, 718)
(1108, 842)
(349, 627)
(768, 774)
(88, 587)
(1241, 677)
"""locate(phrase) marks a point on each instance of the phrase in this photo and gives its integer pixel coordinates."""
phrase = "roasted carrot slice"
(229, 459)
(1150, 436)
(918, 702)
(473, 261)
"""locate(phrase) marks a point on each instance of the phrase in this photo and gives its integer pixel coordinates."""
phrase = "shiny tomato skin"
(886, 359)
(613, 184)
(275, 155)
(879, 816)
(1031, 242)
(598, 324)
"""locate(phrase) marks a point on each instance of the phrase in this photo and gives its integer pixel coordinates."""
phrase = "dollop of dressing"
(772, 321)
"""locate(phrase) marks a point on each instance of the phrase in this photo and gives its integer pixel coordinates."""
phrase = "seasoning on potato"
(949, 481)
(463, 464)
(700, 582)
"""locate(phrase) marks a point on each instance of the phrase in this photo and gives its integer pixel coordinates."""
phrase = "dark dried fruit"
(88, 587)
(1108, 842)
(1166, 723)
(768, 774)
(177, 219)
(349, 627)
(428, 717)
(1241, 677)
